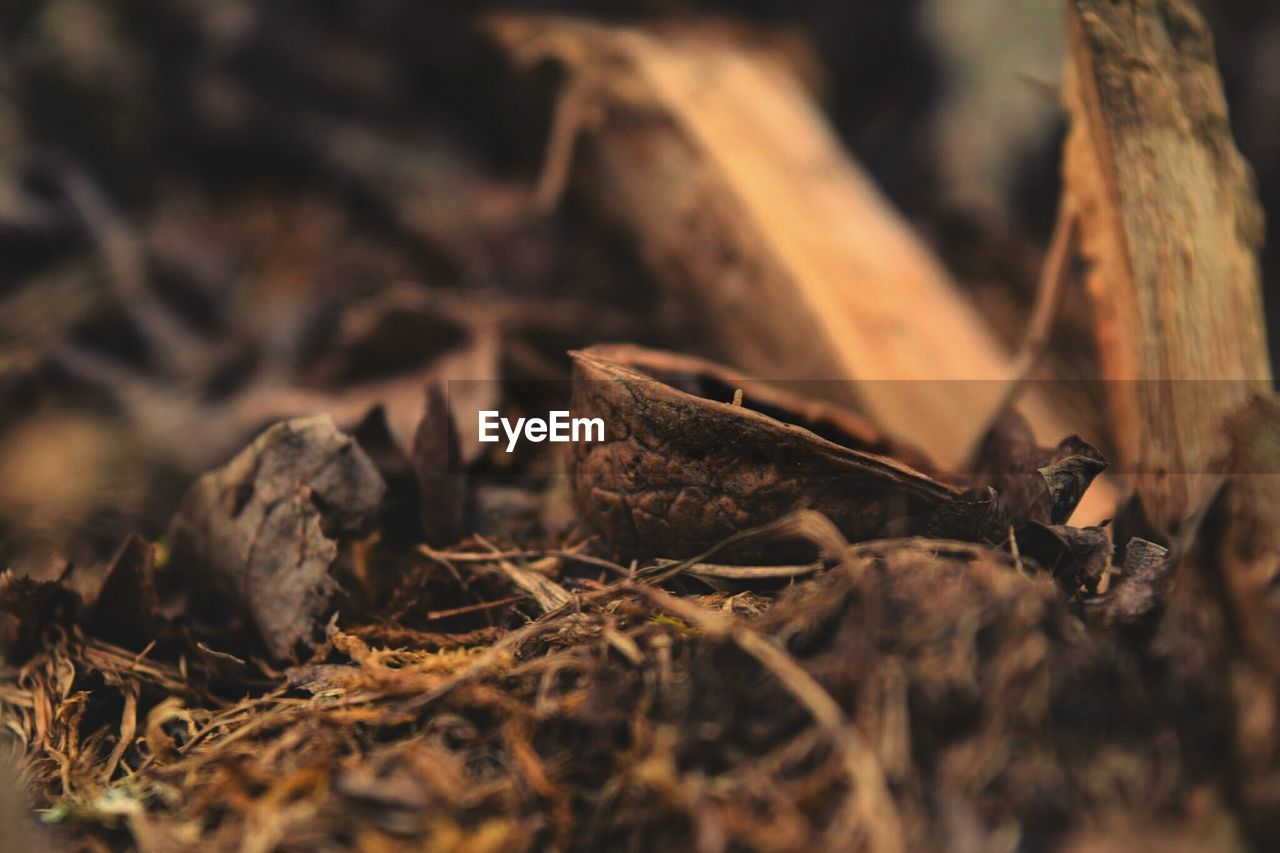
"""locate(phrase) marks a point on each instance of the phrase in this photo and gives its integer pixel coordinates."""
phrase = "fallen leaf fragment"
(1075, 556)
(127, 608)
(1030, 483)
(399, 521)
(260, 533)
(28, 606)
(1067, 475)
(441, 486)
(1136, 600)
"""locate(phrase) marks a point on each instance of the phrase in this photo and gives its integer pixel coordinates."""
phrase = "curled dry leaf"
(1075, 556)
(682, 468)
(260, 532)
(1029, 493)
(1067, 473)
(1136, 599)
(1030, 483)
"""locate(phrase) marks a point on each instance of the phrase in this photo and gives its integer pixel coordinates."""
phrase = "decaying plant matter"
(258, 535)
(897, 676)
(697, 452)
(749, 618)
(680, 471)
(918, 690)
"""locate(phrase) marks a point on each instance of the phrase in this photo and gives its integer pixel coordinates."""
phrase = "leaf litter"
(889, 694)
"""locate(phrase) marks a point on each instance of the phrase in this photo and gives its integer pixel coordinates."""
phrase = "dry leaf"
(261, 531)
(437, 464)
(126, 609)
(1135, 601)
(1075, 556)
(1042, 484)
(28, 606)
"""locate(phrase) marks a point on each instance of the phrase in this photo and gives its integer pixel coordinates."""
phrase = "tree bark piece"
(743, 202)
(1171, 227)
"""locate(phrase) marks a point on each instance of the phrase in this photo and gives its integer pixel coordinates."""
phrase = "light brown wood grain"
(1171, 228)
(747, 208)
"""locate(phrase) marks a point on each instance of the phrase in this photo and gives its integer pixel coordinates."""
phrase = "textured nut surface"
(679, 472)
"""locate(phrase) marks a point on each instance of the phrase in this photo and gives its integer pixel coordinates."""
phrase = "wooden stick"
(1171, 227)
(749, 211)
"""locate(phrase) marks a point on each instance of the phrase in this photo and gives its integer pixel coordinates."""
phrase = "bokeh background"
(214, 213)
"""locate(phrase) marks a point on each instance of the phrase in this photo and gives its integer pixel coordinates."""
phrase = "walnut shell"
(678, 472)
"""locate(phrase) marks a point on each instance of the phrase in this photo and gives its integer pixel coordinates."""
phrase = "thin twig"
(434, 615)
(489, 557)
(1050, 291)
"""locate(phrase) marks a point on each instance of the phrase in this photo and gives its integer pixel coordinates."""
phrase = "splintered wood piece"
(1171, 228)
(746, 207)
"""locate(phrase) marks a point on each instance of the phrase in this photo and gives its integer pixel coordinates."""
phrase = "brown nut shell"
(679, 472)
